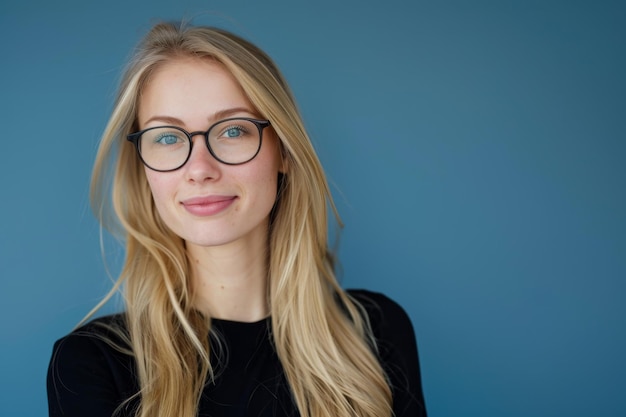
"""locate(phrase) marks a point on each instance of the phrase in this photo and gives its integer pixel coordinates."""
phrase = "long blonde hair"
(321, 334)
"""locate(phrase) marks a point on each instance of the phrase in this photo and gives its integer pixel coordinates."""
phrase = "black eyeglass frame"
(134, 138)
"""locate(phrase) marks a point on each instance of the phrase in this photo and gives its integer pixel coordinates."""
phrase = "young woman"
(232, 306)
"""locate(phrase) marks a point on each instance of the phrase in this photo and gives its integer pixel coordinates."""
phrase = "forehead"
(190, 89)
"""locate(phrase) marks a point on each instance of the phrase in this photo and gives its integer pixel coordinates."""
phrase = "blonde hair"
(322, 335)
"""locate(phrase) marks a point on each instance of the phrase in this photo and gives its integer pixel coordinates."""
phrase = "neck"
(230, 281)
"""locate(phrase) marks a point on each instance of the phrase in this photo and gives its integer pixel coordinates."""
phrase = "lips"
(208, 205)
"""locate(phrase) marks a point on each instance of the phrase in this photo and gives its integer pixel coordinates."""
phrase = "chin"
(213, 238)
(208, 242)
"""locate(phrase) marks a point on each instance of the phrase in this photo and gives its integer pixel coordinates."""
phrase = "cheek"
(265, 180)
(160, 187)
(259, 186)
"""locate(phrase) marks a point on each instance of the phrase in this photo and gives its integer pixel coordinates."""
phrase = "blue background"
(477, 155)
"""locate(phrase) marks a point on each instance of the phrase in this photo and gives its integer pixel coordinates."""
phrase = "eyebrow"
(219, 115)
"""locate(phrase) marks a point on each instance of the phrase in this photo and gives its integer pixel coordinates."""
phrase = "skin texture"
(226, 239)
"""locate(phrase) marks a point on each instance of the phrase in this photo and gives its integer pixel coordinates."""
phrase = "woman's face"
(206, 202)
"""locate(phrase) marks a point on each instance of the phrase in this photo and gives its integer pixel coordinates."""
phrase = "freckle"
(221, 286)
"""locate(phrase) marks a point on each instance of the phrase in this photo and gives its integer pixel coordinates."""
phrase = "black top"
(88, 377)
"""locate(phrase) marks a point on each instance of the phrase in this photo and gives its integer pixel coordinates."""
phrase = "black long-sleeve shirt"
(89, 377)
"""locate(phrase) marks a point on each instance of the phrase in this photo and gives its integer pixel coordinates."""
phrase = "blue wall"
(477, 151)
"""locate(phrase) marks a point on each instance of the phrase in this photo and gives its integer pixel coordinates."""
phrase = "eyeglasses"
(232, 141)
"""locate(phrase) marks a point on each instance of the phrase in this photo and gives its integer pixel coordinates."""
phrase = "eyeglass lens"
(233, 141)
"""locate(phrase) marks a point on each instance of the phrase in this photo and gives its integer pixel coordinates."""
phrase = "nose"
(201, 165)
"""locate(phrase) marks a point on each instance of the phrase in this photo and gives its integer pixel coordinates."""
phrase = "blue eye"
(234, 132)
(167, 139)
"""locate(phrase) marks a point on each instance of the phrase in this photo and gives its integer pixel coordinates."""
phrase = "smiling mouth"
(208, 206)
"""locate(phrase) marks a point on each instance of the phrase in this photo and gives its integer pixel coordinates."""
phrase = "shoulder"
(103, 331)
(94, 346)
(385, 315)
(91, 365)
(397, 350)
